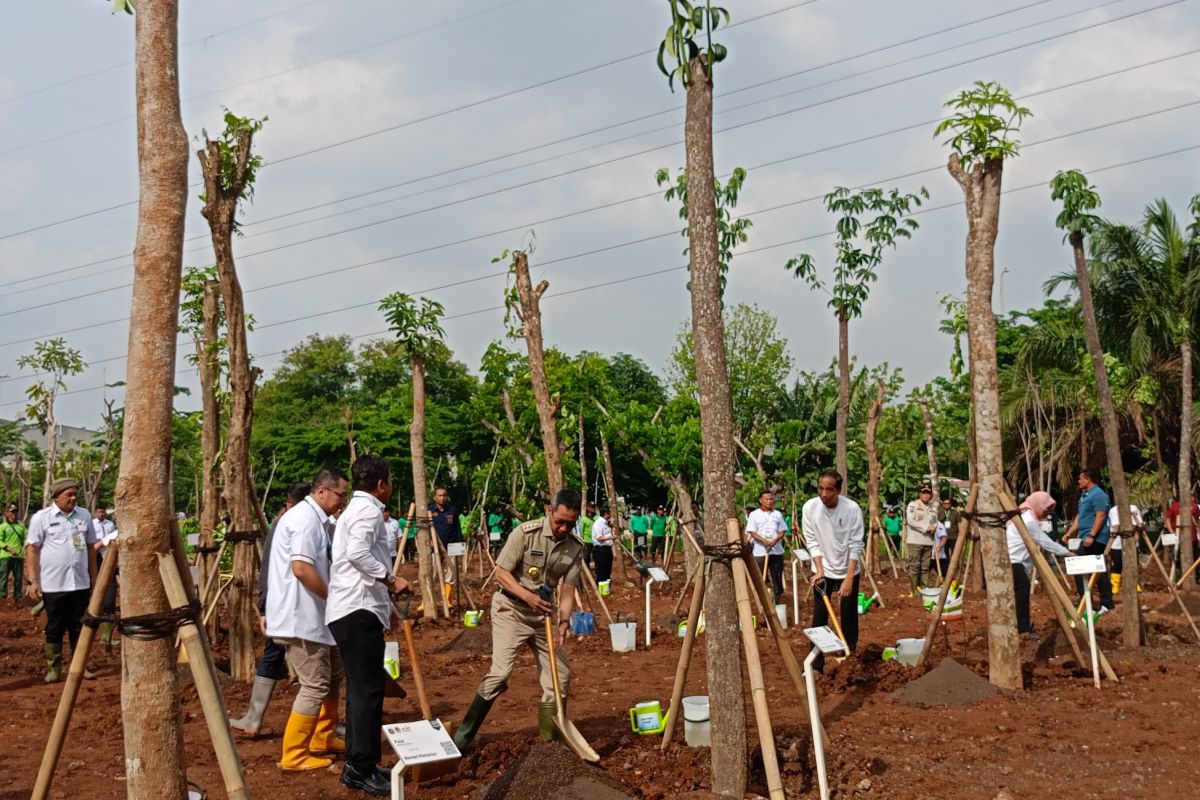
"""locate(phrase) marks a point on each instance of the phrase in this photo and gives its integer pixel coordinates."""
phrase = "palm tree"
(1148, 280)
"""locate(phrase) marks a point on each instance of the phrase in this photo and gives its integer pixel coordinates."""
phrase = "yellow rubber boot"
(324, 741)
(449, 589)
(1115, 578)
(296, 738)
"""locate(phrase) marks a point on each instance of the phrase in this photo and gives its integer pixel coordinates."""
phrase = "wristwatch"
(388, 580)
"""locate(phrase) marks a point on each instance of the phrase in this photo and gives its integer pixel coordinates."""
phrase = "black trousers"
(775, 570)
(658, 546)
(1102, 581)
(273, 664)
(604, 559)
(1116, 561)
(587, 553)
(1021, 588)
(359, 636)
(110, 594)
(64, 614)
(847, 612)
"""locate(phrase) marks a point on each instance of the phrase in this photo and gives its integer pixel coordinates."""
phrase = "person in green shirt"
(639, 526)
(586, 520)
(495, 525)
(892, 526)
(658, 535)
(12, 554)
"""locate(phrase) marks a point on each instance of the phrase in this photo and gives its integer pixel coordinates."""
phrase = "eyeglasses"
(560, 524)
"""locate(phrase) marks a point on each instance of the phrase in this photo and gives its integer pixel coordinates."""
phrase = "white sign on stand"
(824, 639)
(801, 554)
(1086, 565)
(421, 742)
(456, 549)
(656, 575)
(1168, 539)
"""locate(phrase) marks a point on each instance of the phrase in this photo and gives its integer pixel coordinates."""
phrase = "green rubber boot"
(547, 713)
(53, 662)
(106, 635)
(476, 713)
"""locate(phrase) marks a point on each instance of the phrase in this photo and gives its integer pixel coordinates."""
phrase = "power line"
(104, 70)
(292, 281)
(603, 65)
(605, 162)
(743, 252)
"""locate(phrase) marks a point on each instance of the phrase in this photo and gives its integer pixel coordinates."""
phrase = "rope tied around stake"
(990, 519)
(234, 537)
(725, 553)
(148, 627)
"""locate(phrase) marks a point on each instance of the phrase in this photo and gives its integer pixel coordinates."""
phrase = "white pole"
(1087, 599)
(814, 718)
(648, 582)
(795, 591)
(398, 780)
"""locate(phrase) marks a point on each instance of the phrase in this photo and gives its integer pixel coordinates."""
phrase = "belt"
(514, 598)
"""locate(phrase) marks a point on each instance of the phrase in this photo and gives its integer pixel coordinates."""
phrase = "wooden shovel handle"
(558, 705)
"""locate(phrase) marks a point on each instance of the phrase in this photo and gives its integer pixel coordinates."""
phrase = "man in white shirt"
(834, 535)
(766, 528)
(1116, 556)
(358, 611)
(60, 565)
(297, 586)
(393, 532)
(106, 532)
(602, 545)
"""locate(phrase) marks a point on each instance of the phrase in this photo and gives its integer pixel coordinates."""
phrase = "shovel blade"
(574, 740)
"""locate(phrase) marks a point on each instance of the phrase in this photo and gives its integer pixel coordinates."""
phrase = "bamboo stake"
(683, 592)
(205, 679)
(79, 657)
(963, 525)
(685, 658)
(402, 546)
(887, 548)
(875, 589)
(590, 580)
(1060, 594)
(1091, 581)
(437, 565)
(212, 578)
(1190, 570)
(758, 690)
(1171, 586)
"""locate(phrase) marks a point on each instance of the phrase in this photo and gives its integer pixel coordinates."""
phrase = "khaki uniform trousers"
(514, 624)
(318, 668)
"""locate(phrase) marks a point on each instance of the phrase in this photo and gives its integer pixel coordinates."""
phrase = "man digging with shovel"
(539, 555)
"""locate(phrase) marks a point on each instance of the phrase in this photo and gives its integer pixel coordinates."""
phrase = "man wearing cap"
(106, 532)
(12, 554)
(61, 565)
(539, 556)
(921, 516)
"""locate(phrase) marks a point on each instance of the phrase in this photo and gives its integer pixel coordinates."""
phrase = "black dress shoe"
(370, 781)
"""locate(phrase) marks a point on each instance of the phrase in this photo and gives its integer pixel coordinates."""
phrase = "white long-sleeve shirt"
(835, 534)
(360, 561)
(1114, 522)
(1018, 553)
(602, 533)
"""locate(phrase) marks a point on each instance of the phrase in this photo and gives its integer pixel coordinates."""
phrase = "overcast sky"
(433, 99)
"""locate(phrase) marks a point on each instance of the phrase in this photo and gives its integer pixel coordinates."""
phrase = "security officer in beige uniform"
(539, 555)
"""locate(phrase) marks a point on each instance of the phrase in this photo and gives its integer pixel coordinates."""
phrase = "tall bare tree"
(417, 326)
(1079, 199)
(229, 166)
(54, 359)
(873, 476)
(150, 708)
(983, 128)
(694, 67)
(935, 480)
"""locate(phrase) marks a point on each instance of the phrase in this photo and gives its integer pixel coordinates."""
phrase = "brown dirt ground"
(1059, 738)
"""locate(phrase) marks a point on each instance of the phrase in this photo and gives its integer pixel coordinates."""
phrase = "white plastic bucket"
(696, 729)
(781, 611)
(909, 650)
(624, 636)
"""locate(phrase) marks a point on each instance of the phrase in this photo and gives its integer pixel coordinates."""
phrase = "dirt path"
(1060, 738)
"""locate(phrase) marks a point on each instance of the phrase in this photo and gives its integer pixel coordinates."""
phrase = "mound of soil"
(947, 684)
(471, 641)
(1190, 600)
(550, 770)
(865, 670)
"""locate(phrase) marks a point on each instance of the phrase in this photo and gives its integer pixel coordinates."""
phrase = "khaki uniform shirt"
(534, 558)
(920, 518)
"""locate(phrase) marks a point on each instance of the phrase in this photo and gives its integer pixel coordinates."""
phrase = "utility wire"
(610, 63)
(743, 252)
(534, 223)
(577, 169)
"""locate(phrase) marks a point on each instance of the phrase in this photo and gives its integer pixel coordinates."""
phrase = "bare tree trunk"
(583, 476)
(843, 406)
(723, 662)
(1131, 612)
(207, 351)
(981, 191)
(348, 424)
(873, 477)
(610, 488)
(1185, 463)
(1164, 473)
(531, 325)
(92, 485)
(150, 707)
(51, 447)
(935, 482)
(221, 212)
(430, 583)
